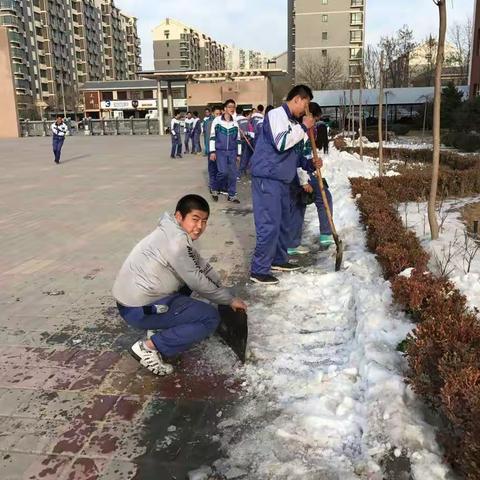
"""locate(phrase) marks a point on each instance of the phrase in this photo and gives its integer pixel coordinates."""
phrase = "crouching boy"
(153, 287)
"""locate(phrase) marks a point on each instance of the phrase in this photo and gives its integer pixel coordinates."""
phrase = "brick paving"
(73, 403)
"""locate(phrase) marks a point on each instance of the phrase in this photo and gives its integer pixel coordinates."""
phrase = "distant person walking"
(59, 130)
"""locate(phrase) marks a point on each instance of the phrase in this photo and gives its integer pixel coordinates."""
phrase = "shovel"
(233, 329)
(338, 241)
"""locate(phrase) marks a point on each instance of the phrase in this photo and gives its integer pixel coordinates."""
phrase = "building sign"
(92, 100)
(128, 104)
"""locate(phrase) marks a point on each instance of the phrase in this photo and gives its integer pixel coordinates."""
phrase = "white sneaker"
(302, 250)
(150, 359)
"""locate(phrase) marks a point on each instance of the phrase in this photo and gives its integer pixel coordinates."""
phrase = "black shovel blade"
(233, 329)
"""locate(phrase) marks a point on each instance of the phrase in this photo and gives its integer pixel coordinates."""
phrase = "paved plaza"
(73, 403)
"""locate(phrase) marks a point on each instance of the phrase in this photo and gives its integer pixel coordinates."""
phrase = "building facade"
(243, 59)
(56, 45)
(326, 28)
(178, 47)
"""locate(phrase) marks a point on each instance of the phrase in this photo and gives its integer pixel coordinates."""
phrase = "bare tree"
(320, 72)
(398, 50)
(460, 36)
(432, 217)
(371, 66)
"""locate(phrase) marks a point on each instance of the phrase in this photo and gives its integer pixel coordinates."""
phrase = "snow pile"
(326, 396)
(453, 254)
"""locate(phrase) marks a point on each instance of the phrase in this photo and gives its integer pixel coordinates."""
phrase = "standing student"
(213, 185)
(246, 139)
(196, 133)
(206, 126)
(274, 165)
(225, 149)
(188, 132)
(175, 135)
(59, 130)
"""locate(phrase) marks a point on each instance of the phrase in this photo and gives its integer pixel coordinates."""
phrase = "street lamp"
(63, 93)
(387, 93)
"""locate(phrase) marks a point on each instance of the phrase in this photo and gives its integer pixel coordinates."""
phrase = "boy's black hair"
(315, 109)
(189, 112)
(176, 112)
(192, 202)
(239, 110)
(59, 116)
(217, 107)
(208, 108)
(260, 108)
(230, 100)
(195, 113)
(302, 90)
(269, 107)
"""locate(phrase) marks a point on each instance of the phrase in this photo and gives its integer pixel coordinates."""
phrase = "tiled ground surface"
(73, 404)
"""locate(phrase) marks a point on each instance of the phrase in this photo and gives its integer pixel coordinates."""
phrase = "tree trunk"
(360, 113)
(380, 120)
(432, 217)
(352, 111)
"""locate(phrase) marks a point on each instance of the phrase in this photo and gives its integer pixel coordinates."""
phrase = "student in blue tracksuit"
(213, 185)
(188, 132)
(225, 149)
(257, 121)
(196, 133)
(206, 126)
(176, 136)
(59, 130)
(246, 138)
(257, 118)
(274, 165)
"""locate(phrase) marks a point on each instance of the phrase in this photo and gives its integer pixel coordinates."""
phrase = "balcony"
(16, 37)
(10, 5)
(10, 21)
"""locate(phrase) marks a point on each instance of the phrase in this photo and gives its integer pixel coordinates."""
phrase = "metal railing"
(131, 126)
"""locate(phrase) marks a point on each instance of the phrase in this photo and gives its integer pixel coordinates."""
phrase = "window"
(122, 95)
(324, 2)
(168, 54)
(355, 35)
(168, 62)
(168, 44)
(324, 35)
(356, 18)
(357, 3)
(107, 95)
(147, 94)
(325, 18)
(166, 33)
(355, 53)
(324, 53)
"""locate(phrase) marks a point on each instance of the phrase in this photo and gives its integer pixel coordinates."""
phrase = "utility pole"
(360, 112)
(63, 94)
(380, 120)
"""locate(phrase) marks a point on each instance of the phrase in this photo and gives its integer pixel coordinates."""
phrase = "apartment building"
(177, 47)
(243, 59)
(56, 45)
(326, 28)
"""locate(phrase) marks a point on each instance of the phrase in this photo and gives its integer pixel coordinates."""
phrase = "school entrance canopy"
(169, 77)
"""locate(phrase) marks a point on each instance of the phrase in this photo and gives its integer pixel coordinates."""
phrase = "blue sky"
(261, 24)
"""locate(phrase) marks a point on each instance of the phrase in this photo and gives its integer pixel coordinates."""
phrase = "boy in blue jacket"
(274, 165)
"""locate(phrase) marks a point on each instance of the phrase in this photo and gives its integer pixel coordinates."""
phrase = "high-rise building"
(242, 59)
(326, 28)
(177, 46)
(58, 44)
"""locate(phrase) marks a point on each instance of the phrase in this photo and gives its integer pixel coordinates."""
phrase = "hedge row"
(415, 186)
(453, 160)
(444, 349)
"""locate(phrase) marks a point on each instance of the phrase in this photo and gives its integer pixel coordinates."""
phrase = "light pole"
(63, 94)
(386, 115)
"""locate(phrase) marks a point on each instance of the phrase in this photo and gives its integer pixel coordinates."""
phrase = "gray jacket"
(161, 264)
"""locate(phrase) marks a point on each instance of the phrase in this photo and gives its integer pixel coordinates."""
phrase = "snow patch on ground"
(452, 251)
(326, 397)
